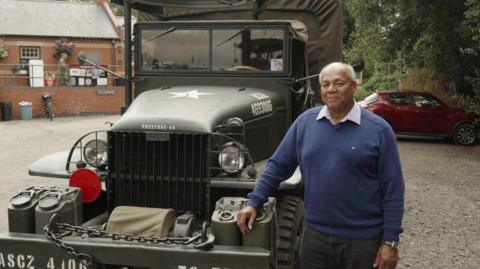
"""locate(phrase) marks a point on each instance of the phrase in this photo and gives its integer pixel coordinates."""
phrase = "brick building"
(29, 30)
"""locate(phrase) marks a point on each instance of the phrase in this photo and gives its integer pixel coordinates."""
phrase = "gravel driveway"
(442, 211)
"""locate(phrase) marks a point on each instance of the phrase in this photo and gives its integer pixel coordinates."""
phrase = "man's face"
(337, 89)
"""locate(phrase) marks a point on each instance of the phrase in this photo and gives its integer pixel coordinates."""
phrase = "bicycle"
(47, 102)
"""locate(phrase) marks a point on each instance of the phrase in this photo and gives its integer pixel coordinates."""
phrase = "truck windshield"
(241, 49)
(251, 50)
(177, 50)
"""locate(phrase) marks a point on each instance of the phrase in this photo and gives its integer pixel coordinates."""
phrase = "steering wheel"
(243, 68)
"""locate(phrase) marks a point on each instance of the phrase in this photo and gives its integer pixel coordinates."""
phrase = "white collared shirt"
(354, 115)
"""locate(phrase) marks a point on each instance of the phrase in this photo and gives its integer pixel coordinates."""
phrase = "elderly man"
(354, 189)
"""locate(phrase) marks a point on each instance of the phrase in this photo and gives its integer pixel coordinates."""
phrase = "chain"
(84, 258)
(60, 230)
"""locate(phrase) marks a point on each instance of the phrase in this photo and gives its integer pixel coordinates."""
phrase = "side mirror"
(358, 64)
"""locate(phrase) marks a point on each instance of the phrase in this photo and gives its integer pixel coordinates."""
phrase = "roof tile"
(55, 18)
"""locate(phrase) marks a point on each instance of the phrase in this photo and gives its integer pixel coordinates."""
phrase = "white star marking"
(191, 94)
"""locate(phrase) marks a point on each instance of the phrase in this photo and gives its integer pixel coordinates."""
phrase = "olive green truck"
(212, 89)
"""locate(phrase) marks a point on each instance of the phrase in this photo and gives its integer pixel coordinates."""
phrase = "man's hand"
(245, 219)
(387, 257)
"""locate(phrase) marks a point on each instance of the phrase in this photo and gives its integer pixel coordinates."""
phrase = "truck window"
(247, 50)
(175, 49)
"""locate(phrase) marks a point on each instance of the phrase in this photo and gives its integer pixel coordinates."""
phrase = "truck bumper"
(30, 251)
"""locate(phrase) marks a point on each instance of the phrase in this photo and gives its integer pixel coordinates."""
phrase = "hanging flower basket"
(63, 46)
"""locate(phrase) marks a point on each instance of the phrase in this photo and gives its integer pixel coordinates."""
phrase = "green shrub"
(381, 81)
(361, 94)
(376, 82)
(472, 103)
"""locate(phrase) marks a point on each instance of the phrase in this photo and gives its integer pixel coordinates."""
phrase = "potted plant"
(15, 68)
(50, 80)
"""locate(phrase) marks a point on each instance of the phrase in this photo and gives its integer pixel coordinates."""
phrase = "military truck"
(215, 86)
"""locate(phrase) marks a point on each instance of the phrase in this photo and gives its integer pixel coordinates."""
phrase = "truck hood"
(195, 108)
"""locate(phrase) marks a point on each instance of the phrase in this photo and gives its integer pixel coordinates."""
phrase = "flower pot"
(50, 82)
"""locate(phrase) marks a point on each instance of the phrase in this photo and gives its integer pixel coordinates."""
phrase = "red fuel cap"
(89, 182)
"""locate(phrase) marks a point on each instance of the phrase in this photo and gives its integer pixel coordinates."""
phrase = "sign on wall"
(87, 75)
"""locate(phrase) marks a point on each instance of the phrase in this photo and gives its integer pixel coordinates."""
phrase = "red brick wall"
(111, 54)
(106, 48)
(66, 100)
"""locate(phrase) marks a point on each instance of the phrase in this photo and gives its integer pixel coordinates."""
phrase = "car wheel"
(465, 134)
(289, 232)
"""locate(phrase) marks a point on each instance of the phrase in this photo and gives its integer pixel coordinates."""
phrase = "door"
(431, 114)
(405, 112)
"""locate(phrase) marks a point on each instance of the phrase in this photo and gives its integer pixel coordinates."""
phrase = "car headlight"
(231, 158)
(95, 153)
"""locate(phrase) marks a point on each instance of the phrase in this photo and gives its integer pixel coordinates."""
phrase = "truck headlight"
(95, 153)
(231, 158)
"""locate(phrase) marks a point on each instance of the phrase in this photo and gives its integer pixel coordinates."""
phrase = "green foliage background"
(442, 36)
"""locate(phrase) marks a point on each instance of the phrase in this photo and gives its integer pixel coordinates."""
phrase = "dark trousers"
(322, 251)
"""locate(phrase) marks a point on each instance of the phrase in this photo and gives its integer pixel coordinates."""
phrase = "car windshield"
(241, 49)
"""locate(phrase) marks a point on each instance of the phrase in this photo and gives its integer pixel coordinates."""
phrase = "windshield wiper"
(233, 36)
(169, 30)
(230, 3)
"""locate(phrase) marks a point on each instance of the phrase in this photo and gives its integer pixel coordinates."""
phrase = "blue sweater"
(353, 180)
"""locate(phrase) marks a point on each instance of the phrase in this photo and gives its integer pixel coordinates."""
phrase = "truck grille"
(163, 170)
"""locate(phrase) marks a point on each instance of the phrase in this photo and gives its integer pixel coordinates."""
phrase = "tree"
(433, 34)
(372, 20)
(472, 28)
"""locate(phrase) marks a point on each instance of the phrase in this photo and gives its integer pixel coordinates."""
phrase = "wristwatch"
(393, 244)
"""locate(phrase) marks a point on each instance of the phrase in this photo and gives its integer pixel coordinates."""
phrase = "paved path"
(23, 142)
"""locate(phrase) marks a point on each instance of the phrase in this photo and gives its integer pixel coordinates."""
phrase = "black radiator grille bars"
(167, 170)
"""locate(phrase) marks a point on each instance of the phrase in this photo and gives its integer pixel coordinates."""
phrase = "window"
(171, 49)
(425, 101)
(248, 50)
(29, 53)
(26, 54)
(225, 50)
(399, 99)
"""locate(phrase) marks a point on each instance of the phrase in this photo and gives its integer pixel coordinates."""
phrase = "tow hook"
(207, 238)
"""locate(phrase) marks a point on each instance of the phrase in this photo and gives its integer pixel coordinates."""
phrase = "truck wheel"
(290, 215)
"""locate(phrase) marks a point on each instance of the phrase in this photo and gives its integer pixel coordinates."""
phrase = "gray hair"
(347, 67)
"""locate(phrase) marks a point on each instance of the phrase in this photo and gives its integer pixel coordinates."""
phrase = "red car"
(421, 113)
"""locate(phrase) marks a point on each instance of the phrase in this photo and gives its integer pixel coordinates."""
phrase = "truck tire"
(290, 218)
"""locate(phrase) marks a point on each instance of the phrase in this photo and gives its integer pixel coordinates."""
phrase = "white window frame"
(29, 52)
